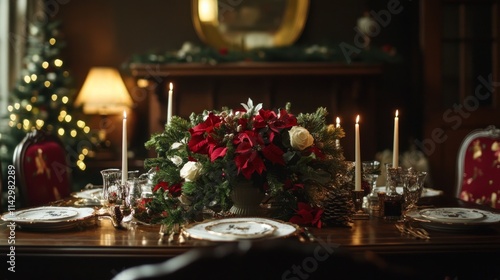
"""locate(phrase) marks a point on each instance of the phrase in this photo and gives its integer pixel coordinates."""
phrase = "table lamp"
(103, 93)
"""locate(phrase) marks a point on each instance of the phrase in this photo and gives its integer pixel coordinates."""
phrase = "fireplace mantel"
(343, 89)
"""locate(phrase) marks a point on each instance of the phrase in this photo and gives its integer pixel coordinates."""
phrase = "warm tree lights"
(43, 99)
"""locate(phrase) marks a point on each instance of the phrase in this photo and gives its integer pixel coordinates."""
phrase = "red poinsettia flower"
(174, 189)
(274, 154)
(143, 202)
(201, 135)
(247, 157)
(307, 215)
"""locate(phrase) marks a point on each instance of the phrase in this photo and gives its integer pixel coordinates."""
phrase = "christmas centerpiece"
(292, 164)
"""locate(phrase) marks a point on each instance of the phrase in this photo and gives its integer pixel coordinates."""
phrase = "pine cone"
(338, 207)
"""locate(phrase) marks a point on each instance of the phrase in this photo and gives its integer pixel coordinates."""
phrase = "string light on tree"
(43, 98)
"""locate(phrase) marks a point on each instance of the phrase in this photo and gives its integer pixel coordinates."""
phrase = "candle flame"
(171, 86)
(338, 121)
(357, 119)
(124, 114)
(397, 113)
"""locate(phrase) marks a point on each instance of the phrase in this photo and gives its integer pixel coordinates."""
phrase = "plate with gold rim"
(259, 228)
(90, 194)
(489, 219)
(44, 214)
(452, 214)
(83, 215)
(241, 229)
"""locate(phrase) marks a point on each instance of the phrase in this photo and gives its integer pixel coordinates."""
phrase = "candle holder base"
(359, 213)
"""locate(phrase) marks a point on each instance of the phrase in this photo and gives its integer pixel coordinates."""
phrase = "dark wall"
(107, 33)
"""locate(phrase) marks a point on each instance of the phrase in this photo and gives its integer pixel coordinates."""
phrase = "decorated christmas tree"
(43, 99)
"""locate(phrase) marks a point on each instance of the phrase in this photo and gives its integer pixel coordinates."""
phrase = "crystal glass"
(413, 185)
(113, 192)
(371, 171)
(134, 188)
(111, 186)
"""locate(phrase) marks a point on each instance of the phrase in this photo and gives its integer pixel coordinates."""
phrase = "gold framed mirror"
(248, 24)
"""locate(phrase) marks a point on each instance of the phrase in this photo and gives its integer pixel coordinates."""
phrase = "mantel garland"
(191, 53)
(294, 160)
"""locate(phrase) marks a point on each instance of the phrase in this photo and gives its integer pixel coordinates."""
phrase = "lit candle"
(337, 142)
(170, 97)
(124, 149)
(395, 148)
(357, 177)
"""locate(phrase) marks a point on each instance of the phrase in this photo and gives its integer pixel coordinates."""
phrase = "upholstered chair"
(478, 167)
(42, 171)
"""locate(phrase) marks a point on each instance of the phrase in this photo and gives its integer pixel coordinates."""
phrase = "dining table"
(99, 250)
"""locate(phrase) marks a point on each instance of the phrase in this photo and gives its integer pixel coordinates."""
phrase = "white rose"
(300, 138)
(191, 170)
(177, 160)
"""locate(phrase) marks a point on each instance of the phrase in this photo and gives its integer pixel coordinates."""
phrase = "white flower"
(250, 108)
(300, 138)
(177, 145)
(191, 171)
(177, 160)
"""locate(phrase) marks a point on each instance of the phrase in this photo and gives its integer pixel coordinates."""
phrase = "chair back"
(478, 167)
(41, 169)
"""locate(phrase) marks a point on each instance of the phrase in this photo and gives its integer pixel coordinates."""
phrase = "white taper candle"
(357, 178)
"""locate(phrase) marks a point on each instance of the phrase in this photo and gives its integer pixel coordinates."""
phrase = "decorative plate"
(426, 192)
(489, 218)
(451, 215)
(83, 214)
(241, 229)
(45, 214)
(91, 194)
(214, 230)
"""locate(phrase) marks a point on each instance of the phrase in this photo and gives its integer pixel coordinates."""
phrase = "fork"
(418, 233)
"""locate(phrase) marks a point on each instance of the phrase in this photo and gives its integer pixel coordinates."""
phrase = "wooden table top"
(145, 244)
(375, 234)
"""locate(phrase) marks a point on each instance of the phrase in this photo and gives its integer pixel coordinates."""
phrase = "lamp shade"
(103, 92)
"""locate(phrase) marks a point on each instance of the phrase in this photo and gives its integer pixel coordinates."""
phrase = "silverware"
(406, 228)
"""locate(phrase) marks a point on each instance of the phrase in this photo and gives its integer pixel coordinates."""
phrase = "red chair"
(41, 169)
(478, 166)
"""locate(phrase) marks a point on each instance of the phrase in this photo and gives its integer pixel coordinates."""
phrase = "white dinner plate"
(90, 194)
(213, 230)
(241, 229)
(43, 214)
(427, 192)
(452, 215)
(489, 218)
(83, 214)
